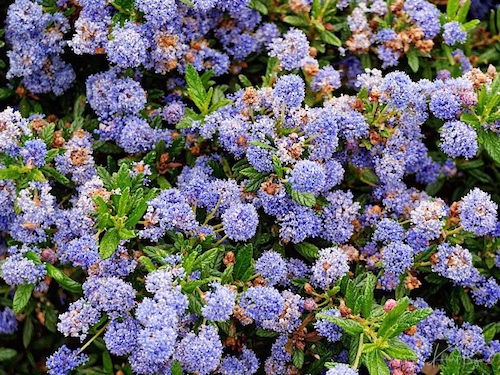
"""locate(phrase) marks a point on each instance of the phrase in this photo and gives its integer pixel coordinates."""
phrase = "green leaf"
(176, 369)
(22, 296)
(470, 164)
(189, 261)
(298, 358)
(307, 250)
(226, 278)
(296, 21)
(452, 8)
(413, 59)
(495, 364)
(47, 134)
(28, 331)
(7, 354)
(107, 363)
(243, 261)
(470, 119)
(452, 365)
(50, 319)
(367, 294)
(55, 174)
(278, 166)
(351, 327)
(195, 304)
(265, 333)
(250, 172)
(196, 90)
(471, 25)
(254, 185)
(410, 318)
(259, 6)
(11, 173)
(5, 93)
(462, 13)
(330, 38)
(206, 259)
(62, 279)
(375, 363)
(397, 349)
(123, 203)
(304, 199)
(491, 143)
(147, 263)
(191, 285)
(392, 317)
(109, 243)
(244, 80)
(126, 234)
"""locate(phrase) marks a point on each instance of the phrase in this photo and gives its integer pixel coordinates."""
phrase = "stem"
(211, 215)
(447, 233)
(97, 334)
(220, 241)
(358, 354)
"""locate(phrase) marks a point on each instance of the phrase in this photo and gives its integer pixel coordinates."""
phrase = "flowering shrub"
(249, 187)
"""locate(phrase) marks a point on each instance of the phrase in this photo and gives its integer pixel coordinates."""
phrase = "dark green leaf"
(191, 285)
(298, 358)
(226, 278)
(107, 363)
(206, 259)
(28, 331)
(307, 250)
(109, 243)
(250, 172)
(7, 354)
(351, 327)
(243, 261)
(196, 89)
(22, 296)
(265, 333)
(147, 263)
(189, 261)
(296, 21)
(47, 134)
(5, 93)
(410, 318)
(495, 364)
(397, 349)
(452, 365)
(62, 279)
(304, 199)
(244, 80)
(195, 304)
(55, 174)
(254, 185)
(123, 203)
(278, 167)
(375, 363)
(392, 317)
(330, 38)
(367, 294)
(50, 319)
(413, 60)
(491, 143)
